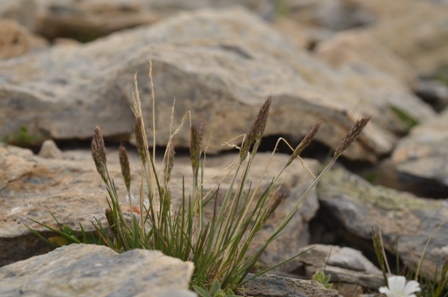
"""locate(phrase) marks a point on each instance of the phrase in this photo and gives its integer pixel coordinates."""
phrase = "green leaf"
(201, 291)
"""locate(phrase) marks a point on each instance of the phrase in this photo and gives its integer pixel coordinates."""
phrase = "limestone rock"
(14, 39)
(345, 265)
(50, 150)
(354, 207)
(22, 11)
(419, 160)
(91, 270)
(202, 59)
(358, 49)
(270, 285)
(417, 34)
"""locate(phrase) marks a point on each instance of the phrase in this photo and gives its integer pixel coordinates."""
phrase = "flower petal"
(384, 290)
(396, 283)
(411, 287)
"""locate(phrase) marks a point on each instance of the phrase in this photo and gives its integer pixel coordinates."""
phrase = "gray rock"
(270, 285)
(419, 161)
(357, 206)
(345, 265)
(358, 49)
(432, 91)
(423, 47)
(14, 39)
(203, 60)
(50, 150)
(91, 270)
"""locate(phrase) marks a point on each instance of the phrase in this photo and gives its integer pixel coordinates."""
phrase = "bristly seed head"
(169, 160)
(305, 142)
(99, 153)
(125, 168)
(351, 136)
(140, 138)
(257, 130)
(196, 144)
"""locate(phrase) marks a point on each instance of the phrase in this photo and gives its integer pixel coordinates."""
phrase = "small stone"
(50, 150)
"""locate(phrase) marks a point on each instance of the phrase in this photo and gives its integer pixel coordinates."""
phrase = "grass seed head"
(196, 143)
(125, 168)
(169, 161)
(140, 138)
(99, 153)
(257, 130)
(305, 142)
(351, 135)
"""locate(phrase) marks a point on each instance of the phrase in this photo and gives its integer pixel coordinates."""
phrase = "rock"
(22, 11)
(71, 190)
(344, 264)
(357, 49)
(14, 39)
(419, 161)
(87, 20)
(270, 285)
(422, 45)
(91, 270)
(433, 92)
(353, 207)
(199, 59)
(90, 19)
(334, 15)
(50, 150)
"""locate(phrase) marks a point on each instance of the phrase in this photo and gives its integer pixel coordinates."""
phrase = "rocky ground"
(67, 66)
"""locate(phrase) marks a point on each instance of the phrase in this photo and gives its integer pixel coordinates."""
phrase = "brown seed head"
(142, 146)
(305, 142)
(169, 161)
(196, 144)
(125, 168)
(99, 153)
(257, 130)
(351, 136)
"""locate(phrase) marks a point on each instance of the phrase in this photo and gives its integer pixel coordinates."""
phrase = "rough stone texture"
(14, 39)
(330, 14)
(90, 19)
(358, 49)
(90, 270)
(50, 150)
(270, 285)
(345, 265)
(32, 187)
(357, 206)
(204, 61)
(21, 11)
(419, 162)
(433, 92)
(418, 34)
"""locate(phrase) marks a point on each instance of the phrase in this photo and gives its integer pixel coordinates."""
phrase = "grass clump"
(217, 245)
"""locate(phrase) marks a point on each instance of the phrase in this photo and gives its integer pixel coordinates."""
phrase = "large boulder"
(219, 65)
(354, 208)
(91, 270)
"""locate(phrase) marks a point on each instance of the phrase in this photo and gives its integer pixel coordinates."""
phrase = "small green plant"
(217, 245)
(215, 291)
(21, 138)
(320, 277)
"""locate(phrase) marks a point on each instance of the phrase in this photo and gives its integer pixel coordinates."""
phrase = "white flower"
(399, 288)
